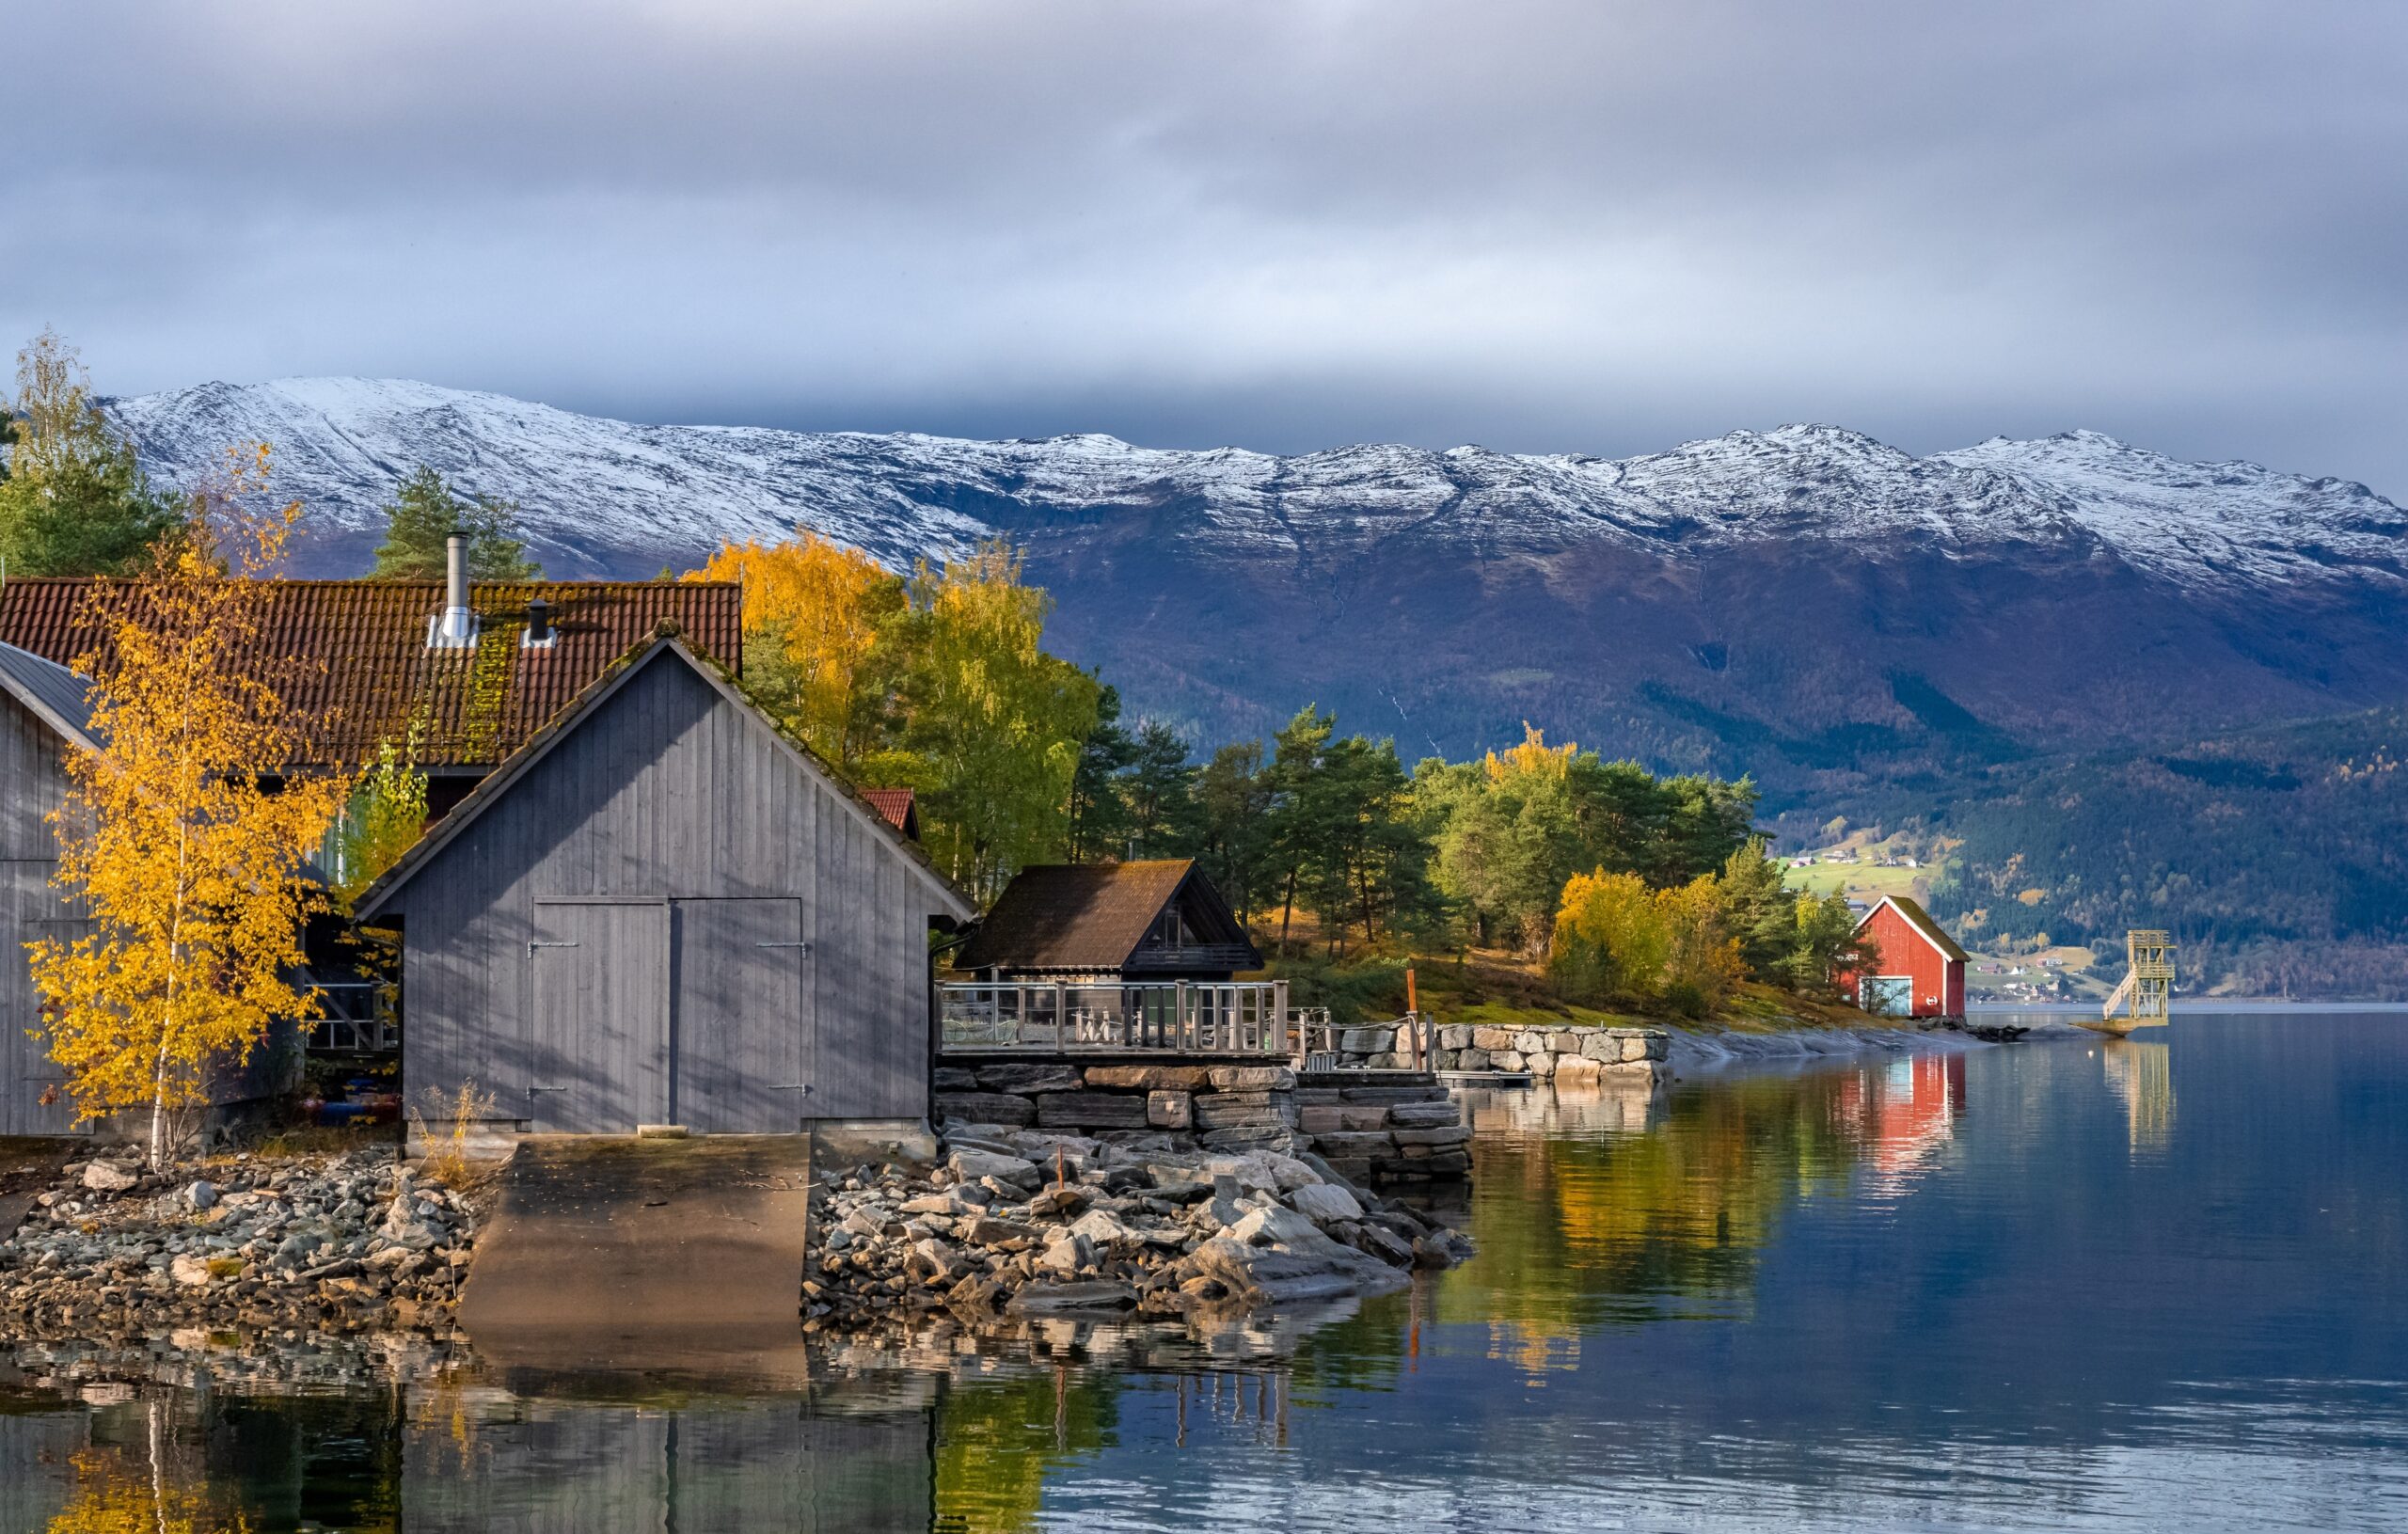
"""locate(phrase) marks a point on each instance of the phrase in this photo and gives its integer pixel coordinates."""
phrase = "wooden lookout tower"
(2146, 997)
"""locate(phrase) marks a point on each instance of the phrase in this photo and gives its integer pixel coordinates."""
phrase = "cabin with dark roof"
(1920, 970)
(660, 910)
(1156, 919)
(43, 718)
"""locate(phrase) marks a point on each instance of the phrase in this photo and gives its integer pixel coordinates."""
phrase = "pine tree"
(74, 501)
(1099, 824)
(1159, 790)
(422, 516)
(1232, 809)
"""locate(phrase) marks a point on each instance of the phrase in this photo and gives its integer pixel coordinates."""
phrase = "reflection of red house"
(1904, 1114)
(1922, 970)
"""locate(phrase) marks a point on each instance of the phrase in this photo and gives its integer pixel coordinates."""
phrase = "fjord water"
(2156, 1284)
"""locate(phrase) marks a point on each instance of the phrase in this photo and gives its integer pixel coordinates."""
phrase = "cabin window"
(1170, 931)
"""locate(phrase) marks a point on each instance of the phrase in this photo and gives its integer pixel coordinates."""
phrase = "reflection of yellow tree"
(997, 1441)
(113, 1496)
(1569, 1231)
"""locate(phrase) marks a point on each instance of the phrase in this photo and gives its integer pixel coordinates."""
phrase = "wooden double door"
(692, 1012)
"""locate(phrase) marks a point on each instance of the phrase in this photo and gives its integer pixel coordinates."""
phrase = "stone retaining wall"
(1398, 1126)
(1570, 1052)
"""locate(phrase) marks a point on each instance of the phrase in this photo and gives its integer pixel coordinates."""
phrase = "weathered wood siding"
(33, 783)
(629, 840)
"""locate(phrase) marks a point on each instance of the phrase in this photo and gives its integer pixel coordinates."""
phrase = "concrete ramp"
(616, 1238)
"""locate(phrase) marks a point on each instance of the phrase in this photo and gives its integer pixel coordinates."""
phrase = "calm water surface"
(2154, 1284)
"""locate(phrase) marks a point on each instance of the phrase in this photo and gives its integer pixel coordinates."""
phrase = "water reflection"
(2143, 1076)
(1917, 1292)
(1604, 1205)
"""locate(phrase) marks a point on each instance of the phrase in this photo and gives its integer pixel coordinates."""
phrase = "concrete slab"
(618, 1237)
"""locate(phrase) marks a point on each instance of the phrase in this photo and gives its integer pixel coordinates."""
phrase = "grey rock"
(1325, 1203)
(1091, 1110)
(972, 1165)
(986, 1108)
(1026, 1077)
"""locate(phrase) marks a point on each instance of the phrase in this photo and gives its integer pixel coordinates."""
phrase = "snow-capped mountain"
(609, 495)
(1805, 603)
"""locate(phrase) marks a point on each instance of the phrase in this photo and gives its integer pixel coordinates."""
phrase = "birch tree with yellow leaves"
(185, 860)
(814, 611)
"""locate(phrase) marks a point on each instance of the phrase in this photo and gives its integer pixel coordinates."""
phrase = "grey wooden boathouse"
(660, 911)
(43, 715)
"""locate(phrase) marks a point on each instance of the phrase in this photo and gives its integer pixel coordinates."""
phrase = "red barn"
(1922, 970)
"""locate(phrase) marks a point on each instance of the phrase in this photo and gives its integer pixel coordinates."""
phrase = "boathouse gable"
(1921, 972)
(661, 910)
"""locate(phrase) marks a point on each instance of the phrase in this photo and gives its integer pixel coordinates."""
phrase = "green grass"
(1861, 879)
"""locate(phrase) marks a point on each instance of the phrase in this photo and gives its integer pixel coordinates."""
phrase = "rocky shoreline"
(343, 1244)
(1014, 1222)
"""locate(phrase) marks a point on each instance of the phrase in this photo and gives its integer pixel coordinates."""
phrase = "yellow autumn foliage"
(185, 863)
(1533, 758)
(813, 614)
(1614, 937)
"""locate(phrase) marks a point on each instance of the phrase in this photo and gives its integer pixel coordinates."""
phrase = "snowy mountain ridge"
(603, 496)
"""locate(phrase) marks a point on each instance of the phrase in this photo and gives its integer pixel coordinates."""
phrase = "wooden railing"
(1185, 1016)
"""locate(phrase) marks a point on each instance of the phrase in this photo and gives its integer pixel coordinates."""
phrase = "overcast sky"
(1589, 227)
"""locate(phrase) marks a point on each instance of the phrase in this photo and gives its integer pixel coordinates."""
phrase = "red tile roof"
(895, 804)
(367, 673)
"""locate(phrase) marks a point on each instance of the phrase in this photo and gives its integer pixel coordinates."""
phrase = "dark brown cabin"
(1157, 919)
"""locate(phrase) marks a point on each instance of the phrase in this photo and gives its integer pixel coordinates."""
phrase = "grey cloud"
(1581, 226)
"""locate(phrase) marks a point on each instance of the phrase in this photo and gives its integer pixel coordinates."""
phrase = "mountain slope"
(1805, 603)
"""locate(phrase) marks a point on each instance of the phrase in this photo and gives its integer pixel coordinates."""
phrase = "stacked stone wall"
(1401, 1127)
(1572, 1053)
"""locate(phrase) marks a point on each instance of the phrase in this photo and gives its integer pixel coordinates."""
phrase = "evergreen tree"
(1157, 790)
(423, 514)
(1232, 810)
(72, 499)
(1098, 826)
(1296, 827)
(1759, 911)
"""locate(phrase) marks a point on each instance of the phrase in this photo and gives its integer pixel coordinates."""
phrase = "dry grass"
(447, 1152)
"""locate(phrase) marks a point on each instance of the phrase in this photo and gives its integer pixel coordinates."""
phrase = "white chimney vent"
(455, 627)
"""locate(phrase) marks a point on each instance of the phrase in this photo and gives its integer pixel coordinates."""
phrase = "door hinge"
(533, 1090)
(533, 943)
(803, 945)
(792, 1086)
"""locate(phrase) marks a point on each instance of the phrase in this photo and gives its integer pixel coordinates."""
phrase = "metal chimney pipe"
(459, 623)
